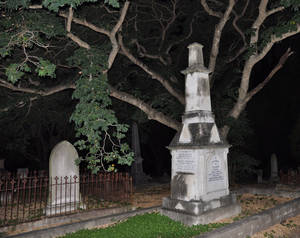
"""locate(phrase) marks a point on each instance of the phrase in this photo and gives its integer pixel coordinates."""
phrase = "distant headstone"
(2, 168)
(139, 177)
(22, 172)
(199, 180)
(64, 194)
(274, 169)
(2, 164)
(259, 174)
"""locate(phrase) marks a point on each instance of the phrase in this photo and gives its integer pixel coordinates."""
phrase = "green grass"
(151, 225)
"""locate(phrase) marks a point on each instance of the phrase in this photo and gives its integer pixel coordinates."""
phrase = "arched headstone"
(64, 194)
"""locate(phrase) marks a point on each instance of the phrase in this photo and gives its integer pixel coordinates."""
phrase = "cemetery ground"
(250, 203)
(151, 195)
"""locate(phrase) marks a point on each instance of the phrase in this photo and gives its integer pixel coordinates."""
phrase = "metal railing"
(34, 197)
(291, 177)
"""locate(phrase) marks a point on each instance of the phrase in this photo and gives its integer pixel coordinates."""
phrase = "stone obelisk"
(139, 177)
(199, 180)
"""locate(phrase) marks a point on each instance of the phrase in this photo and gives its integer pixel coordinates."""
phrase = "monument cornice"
(196, 68)
(195, 146)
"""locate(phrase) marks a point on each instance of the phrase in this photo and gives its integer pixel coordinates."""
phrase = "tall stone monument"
(139, 177)
(274, 169)
(64, 194)
(199, 179)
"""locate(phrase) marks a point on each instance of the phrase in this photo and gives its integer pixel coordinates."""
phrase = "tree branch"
(244, 96)
(275, 10)
(47, 92)
(20, 104)
(69, 21)
(151, 112)
(262, 15)
(153, 74)
(35, 6)
(143, 53)
(125, 97)
(235, 26)
(77, 40)
(171, 45)
(210, 11)
(86, 24)
(112, 35)
(253, 59)
(217, 37)
(279, 65)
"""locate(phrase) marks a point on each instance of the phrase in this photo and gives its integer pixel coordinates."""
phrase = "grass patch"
(150, 225)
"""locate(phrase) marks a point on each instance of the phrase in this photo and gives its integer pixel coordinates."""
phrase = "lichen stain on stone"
(178, 186)
(203, 87)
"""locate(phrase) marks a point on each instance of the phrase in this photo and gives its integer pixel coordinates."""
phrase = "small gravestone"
(259, 174)
(274, 169)
(2, 168)
(64, 194)
(2, 164)
(199, 180)
(22, 172)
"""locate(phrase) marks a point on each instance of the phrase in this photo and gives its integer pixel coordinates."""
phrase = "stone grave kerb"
(199, 176)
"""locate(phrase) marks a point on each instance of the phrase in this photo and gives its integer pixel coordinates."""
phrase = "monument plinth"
(199, 179)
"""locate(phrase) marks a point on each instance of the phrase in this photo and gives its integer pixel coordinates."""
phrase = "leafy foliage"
(54, 5)
(33, 33)
(15, 4)
(33, 42)
(295, 4)
(97, 127)
(26, 34)
(46, 68)
(114, 3)
(13, 73)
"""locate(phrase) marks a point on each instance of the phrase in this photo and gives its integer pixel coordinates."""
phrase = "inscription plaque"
(185, 162)
(215, 170)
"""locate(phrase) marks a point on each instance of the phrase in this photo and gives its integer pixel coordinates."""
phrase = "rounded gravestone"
(62, 160)
(63, 179)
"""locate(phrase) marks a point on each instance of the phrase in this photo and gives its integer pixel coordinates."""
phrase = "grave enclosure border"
(24, 199)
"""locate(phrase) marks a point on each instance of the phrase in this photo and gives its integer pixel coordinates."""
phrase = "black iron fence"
(291, 177)
(33, 197)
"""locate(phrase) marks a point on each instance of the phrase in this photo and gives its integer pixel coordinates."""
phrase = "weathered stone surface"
(139, 177)
(2, 164)
(210, 216)
(64, 192)
(203, 177)
(253, 224)
(197, 207)
(22, 172)
(274, 169)
(199, 180)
